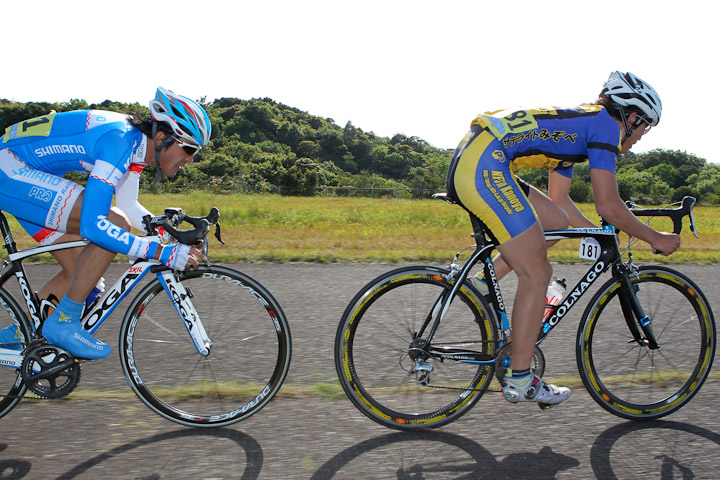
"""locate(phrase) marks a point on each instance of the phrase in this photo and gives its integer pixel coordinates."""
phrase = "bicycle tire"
(12, 386)
(628, 379)
(374, 336)
(248, 361)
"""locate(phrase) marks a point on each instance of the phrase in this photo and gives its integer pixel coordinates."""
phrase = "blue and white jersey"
(101, 143)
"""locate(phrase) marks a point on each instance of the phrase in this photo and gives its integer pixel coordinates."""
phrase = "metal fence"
(372, 192)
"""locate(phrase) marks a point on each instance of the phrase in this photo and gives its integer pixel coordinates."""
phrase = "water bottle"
(555, 293)
(478, 282)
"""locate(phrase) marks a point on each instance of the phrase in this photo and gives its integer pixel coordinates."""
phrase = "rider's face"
(173, 158)
(636, 135)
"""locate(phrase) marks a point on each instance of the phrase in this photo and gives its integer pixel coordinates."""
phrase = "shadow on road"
(420, 455)
(188, 453)
(682, 445)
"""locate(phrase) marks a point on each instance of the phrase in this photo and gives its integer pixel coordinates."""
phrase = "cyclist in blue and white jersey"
(112, 148)
(481, 178)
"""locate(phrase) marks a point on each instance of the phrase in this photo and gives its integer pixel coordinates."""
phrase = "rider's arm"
(559, 192)
(126, 196)
(95, 226)
(610, 206)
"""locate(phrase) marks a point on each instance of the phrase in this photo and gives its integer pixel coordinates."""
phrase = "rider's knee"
(557, 221)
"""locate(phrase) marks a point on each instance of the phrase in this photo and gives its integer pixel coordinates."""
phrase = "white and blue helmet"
(188, 120)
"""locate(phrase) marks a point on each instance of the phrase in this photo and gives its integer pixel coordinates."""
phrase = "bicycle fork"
(181, 296)
(639, 323)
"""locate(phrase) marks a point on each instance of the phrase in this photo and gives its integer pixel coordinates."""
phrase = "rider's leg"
(56, 287)
(526, 254)
(63, 327)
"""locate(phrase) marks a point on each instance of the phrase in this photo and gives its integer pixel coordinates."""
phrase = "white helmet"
(628, 91)
(187, 119)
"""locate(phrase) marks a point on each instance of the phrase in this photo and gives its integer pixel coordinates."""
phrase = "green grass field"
(272, 228)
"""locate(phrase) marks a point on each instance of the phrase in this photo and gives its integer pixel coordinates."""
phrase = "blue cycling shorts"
(480, 178)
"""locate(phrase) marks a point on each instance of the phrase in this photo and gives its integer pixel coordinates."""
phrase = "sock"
(520, 377)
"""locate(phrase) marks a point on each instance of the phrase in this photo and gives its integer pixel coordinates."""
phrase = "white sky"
(422, 68)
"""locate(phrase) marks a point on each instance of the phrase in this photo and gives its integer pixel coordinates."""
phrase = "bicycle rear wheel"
(12, 386)
(248, 360)
(377, 340)
(630, 380)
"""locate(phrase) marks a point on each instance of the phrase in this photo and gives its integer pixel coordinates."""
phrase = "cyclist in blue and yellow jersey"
(113, 149)
(481, 178)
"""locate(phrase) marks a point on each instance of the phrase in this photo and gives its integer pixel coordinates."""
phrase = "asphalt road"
(89, 435)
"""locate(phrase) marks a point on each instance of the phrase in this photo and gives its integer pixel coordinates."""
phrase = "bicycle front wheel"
(378, 342)
(630, 380)
(248, 358)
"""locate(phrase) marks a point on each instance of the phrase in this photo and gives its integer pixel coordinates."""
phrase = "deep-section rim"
(362, 300)
(595, 386)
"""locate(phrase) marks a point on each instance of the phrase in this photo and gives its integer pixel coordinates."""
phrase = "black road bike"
(418, 346)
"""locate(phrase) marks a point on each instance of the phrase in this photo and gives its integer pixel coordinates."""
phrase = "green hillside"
(260, 145)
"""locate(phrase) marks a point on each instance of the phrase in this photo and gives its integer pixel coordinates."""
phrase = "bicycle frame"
(610, 256)
(94, 317)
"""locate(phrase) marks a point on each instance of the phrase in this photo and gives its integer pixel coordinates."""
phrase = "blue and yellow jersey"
(556, 138)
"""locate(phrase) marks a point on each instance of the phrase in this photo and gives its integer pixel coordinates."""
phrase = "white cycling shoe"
(535, 390)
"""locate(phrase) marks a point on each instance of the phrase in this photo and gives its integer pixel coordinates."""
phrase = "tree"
(665, 172)
(581, 191)
(303, 177)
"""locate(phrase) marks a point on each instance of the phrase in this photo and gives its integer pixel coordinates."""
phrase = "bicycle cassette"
(50, 372)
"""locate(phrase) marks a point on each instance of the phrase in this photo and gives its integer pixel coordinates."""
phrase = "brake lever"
(692, 224)
(217, 233)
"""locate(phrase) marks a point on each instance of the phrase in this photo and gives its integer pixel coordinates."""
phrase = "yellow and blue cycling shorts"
(481, 180)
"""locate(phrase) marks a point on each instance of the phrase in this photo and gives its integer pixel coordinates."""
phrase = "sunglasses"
(190, 148)
(644, 120)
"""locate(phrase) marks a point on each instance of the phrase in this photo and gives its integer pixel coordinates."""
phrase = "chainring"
(502, 362)
(49, 371)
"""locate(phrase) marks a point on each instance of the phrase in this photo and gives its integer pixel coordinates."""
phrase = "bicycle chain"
(465, 389)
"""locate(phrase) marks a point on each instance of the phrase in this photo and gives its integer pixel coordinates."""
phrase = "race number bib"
(35, 127)
(513, 122)
(589, 248)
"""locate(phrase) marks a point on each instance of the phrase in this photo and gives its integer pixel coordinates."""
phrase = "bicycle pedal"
(547, 406)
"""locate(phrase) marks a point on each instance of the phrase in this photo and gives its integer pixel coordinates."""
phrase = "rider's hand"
(179, 256)
(666, 243)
